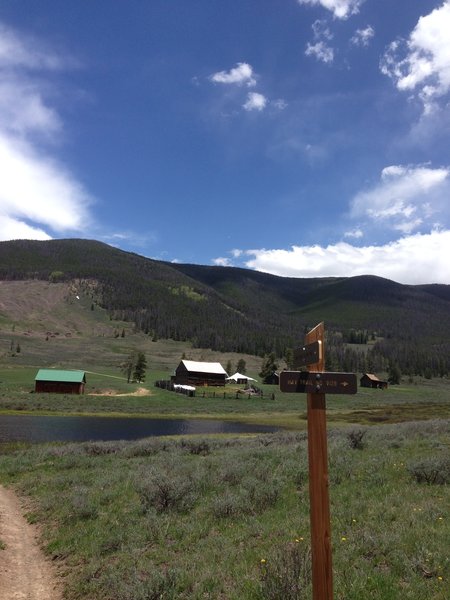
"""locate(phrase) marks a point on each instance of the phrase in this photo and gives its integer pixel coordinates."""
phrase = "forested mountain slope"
(232, 309)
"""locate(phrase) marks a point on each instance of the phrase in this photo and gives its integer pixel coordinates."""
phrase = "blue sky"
(304, 138)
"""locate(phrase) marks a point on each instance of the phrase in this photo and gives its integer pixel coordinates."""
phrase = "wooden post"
(322, 575)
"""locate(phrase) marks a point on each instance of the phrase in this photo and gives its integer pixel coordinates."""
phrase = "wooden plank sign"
(309, 354)
(305, 382)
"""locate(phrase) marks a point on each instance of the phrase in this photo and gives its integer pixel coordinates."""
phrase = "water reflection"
(30, 428)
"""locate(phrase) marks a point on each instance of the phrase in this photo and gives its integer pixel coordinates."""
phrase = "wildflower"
(263, 560)
(440, 577)
(343, 539)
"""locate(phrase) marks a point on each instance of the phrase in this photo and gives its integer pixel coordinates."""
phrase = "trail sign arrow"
(317, 382)
(309, 354)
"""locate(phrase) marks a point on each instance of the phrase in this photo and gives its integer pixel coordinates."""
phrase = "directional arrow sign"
(309, 354)
(317, 383)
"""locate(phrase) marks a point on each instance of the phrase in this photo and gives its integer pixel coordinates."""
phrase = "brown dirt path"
(25, 573)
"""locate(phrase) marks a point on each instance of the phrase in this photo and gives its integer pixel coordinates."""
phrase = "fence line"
(207, 393)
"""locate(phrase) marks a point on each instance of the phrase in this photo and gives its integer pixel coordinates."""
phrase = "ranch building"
(60, 382)
(191, 372)
(370, 380)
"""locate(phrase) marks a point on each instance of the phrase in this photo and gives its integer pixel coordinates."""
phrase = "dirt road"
(25, 574)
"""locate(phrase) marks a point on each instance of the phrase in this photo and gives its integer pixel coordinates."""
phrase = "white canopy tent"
(239, 378)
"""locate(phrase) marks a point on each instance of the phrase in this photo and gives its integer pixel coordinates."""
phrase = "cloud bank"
(415, 259)
(38, 195)
(406, 198)
(411, 201)
(421, 63)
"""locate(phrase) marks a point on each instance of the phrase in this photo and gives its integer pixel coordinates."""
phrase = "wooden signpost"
(315, 383)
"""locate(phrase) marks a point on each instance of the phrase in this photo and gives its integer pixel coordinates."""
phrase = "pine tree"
(139, 369)
(394, 374)
(128, 365)
(241, 366)
(268, 367)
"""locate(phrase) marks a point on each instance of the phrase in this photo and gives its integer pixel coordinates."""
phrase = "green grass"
(225, 518)
(108, 393)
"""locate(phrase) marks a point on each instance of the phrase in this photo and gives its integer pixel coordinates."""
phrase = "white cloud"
(130, 239)
(34, 188)
(320, 51)
(341, 9)
(20, 51)
(322, 35)
(362, 37)
(23, 110)
(420, 258)
(242, 73)
(222, 261)
(405, 197)
(321, 30)
(280, 103)
(13, 229)
(422, 63)
(255, 101)
(37, 193)
(354, 233)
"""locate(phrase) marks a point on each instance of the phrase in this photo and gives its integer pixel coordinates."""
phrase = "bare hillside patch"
(36, 308)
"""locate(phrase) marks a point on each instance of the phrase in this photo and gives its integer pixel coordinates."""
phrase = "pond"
(30, 428)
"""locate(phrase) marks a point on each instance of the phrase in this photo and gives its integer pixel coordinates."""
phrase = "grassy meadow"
(226, 517)
(219, 517)
(229, 518)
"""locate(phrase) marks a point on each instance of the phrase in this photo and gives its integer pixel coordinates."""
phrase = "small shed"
(272, 379)
(191, 372)
(369, 380)
(60, 382)
(239, 378)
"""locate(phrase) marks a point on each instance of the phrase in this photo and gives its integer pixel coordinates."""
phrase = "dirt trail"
(139, 392)
(25, 574)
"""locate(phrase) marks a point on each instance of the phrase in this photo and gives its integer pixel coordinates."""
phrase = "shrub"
(83, 506)
(356, 439)
(145, 447)
(102, 448)
(167, 492)
(341, 467)
(232, 472)
(433, 471)
(286, 575)
(127, 583)
(199, 447)
(253, 496)
(261, 494)
(230, 504)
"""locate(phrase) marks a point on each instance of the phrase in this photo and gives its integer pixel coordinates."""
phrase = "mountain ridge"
(235, 309)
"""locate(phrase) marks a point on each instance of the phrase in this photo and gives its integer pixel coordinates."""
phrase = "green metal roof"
(58, 375)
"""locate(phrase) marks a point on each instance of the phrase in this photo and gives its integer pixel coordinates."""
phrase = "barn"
(370, 380)
(191, 372)
(60, 382)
